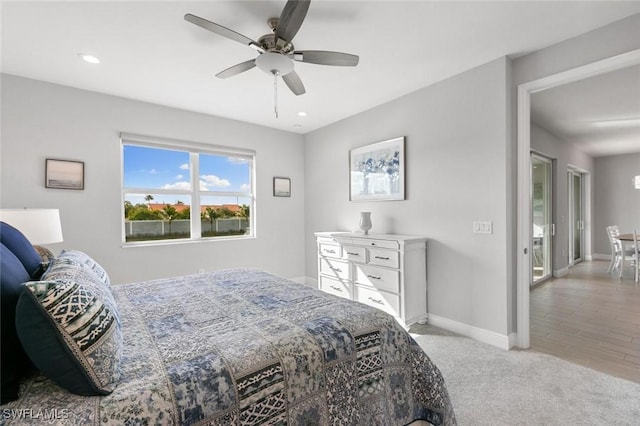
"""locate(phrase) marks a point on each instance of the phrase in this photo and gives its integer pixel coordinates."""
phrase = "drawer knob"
(382, 257)
(336, 269)
(336, 288)
(353, 254)
(378, 301)
(373, 277)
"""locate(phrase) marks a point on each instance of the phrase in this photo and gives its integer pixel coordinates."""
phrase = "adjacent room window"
(184, 191)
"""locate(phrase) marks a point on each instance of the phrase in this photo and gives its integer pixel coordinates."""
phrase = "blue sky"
(153, 168)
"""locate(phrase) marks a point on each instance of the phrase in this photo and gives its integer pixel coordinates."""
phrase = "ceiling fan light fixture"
(274, 63)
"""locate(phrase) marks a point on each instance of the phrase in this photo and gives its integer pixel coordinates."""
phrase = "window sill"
(184, 241)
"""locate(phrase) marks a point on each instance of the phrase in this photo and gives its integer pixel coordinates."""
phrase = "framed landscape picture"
(376, 171)
(64, 174)
(281, 187)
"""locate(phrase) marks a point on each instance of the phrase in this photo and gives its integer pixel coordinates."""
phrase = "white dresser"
(388, 272)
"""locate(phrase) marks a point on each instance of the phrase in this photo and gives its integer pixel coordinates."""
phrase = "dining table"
(625, 237)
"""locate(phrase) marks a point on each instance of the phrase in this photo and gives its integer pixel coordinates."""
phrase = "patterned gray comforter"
(244, 347)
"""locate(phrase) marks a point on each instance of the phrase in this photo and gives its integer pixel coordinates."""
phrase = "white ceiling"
(599, 114)
(150, 53)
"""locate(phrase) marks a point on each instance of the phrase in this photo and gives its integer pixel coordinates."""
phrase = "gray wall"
(611, 40)
(456, 172)
(616, 201)
(564, 154)
(41, 120)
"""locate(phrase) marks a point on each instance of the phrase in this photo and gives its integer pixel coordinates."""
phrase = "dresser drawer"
(371, 243)
(330, 250)
(336, 287)
(334, 268)
(387, 258)
(354, 253)
(383, 279)
(390, 303)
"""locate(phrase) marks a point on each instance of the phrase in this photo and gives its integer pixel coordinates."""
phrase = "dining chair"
(618, 251)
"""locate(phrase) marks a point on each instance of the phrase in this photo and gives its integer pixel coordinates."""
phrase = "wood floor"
(589, 317)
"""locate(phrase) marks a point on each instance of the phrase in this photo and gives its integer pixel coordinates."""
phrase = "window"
(183, 191)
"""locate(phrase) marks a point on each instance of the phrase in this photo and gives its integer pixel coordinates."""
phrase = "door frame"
(549, 242)
(523, 231)
(572, 172)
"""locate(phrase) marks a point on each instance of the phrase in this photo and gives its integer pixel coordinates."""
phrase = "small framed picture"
(64, 174)
(281, 187)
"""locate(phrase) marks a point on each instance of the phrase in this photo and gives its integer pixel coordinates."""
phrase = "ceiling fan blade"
(291, 19)
(220, 30)
(294, 83)
(237, 69)
(324, 57)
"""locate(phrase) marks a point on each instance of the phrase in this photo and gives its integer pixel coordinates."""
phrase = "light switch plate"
(483, 227)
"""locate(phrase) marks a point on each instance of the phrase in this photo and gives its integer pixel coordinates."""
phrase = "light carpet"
(491, 386)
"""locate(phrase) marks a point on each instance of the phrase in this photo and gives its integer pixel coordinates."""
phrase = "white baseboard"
(495, 339)
(597, 256)
(561, 272)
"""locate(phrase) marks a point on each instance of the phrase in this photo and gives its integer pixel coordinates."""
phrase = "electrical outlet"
(483, 227)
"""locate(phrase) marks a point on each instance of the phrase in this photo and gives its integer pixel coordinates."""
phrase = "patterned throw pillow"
(46, 256)
(83, 259)
(69, 326)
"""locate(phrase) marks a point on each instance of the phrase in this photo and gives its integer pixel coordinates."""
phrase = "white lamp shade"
(40, 226)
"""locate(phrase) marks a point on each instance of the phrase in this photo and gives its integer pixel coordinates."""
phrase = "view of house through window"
(185, 192)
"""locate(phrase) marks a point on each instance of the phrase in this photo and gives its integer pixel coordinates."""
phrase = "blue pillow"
(15, 241)
(14, 362)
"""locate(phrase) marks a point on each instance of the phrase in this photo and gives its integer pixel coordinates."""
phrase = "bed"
(243, 347)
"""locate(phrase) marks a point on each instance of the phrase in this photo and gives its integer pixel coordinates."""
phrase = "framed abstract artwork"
(64, 174)
(376, 171)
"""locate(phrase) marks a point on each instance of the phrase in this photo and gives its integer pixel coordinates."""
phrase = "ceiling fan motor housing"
(268, 43)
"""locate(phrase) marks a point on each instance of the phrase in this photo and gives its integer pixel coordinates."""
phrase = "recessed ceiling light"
(297, 125)
(302, 114)
(89, 58)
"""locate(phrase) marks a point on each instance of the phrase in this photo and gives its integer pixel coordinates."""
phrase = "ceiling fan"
(276, 52)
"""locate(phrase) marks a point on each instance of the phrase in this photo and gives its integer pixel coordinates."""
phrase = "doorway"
(541, 218)
(524, 225)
